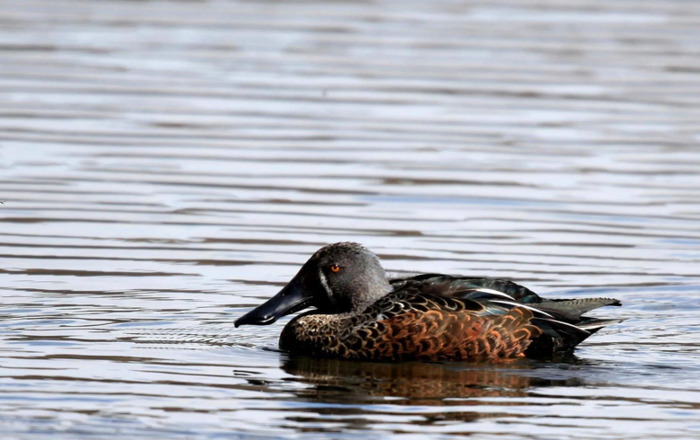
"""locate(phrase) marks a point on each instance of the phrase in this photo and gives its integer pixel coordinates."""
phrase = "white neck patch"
(324, 283)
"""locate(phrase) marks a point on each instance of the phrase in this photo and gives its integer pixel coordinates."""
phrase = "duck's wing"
(467, 287)
(560, 320)
(502, 292)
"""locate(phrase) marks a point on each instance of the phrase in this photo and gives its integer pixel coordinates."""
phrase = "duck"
(361, 314)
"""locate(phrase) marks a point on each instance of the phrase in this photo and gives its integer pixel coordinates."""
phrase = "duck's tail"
(567, 328)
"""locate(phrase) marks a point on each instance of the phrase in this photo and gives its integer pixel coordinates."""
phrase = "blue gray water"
(165, 166)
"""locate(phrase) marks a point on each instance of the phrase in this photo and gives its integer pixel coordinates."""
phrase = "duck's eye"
(335, 268)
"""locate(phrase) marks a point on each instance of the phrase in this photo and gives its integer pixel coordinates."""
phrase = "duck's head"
(338, 278)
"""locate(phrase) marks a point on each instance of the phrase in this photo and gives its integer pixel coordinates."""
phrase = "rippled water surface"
(165, 166)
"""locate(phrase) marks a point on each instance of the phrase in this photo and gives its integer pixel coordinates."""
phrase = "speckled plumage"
(363, 316)
(414, 334)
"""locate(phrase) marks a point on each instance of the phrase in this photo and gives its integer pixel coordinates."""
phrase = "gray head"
(338, 278)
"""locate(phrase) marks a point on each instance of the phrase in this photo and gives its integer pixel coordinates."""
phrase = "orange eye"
(335, 268)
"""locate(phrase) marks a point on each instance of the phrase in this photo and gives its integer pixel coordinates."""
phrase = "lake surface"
(166, 166)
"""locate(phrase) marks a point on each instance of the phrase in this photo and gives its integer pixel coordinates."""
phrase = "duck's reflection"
(414, 383)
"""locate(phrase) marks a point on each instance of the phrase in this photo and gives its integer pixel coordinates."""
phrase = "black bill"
(289, 300)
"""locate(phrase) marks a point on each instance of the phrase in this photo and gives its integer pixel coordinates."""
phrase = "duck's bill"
(289, 300)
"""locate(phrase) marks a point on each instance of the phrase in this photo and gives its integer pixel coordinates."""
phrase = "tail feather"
(572, 309)
(560, 336)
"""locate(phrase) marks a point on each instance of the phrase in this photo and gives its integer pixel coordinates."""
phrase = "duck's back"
(466, 287)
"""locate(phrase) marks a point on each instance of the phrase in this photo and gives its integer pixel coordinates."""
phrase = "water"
(168, 165)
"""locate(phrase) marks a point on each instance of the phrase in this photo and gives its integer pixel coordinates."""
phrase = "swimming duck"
(361, 314)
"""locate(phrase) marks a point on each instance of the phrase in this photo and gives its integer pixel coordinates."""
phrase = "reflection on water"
(167, 165)
(405, 385)
(413, 383)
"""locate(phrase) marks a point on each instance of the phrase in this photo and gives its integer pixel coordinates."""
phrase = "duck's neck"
(376, 288)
